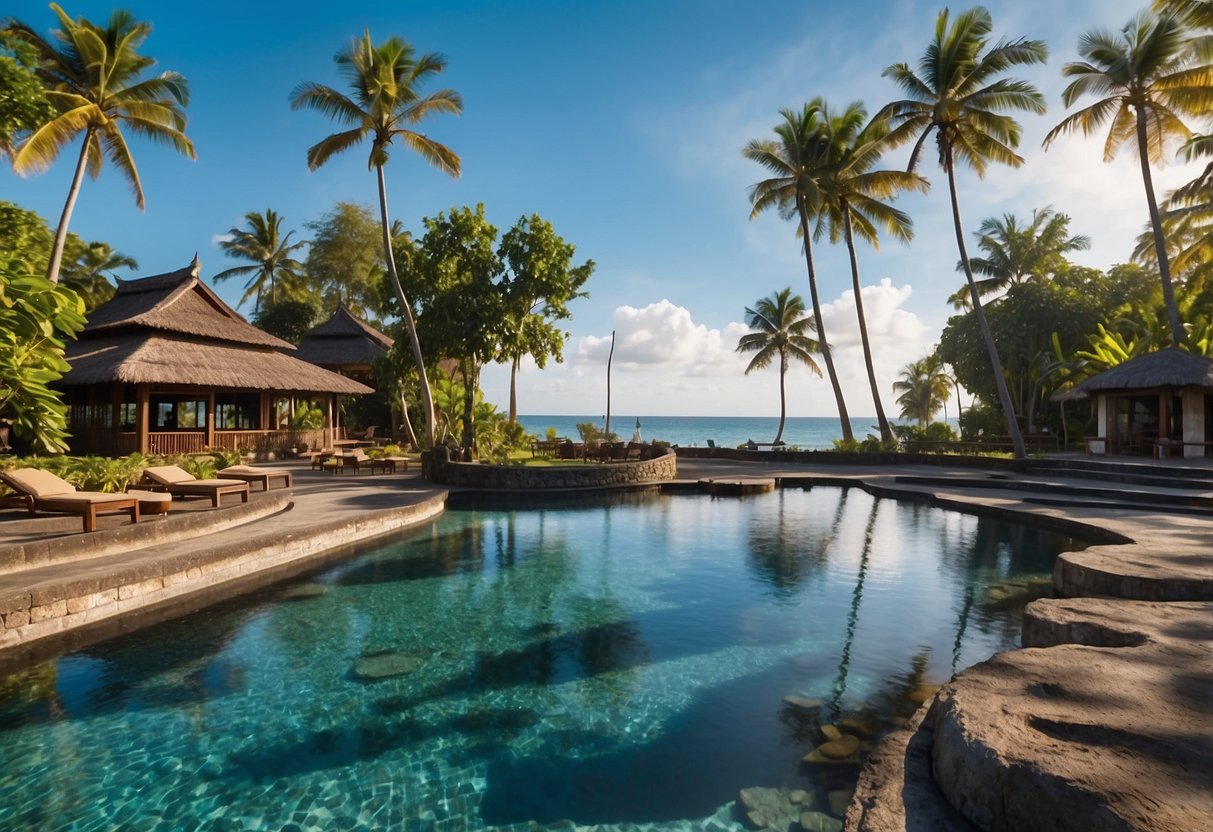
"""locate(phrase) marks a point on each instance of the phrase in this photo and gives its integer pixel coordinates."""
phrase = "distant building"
(165, 366)
(345, 345)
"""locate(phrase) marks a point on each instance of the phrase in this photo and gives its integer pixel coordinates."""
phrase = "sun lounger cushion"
(37, 483)
(245, 469)
(169, 474)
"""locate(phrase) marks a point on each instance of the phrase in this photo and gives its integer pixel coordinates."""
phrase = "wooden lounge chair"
(354, 459)
(43, 491)
(252, 474)
(181, 483)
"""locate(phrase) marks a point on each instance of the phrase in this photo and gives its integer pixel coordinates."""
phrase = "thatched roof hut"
(166, 356)
(1168, 368)
(344, 344)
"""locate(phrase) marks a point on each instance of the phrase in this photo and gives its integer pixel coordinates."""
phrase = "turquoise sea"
(805, 432)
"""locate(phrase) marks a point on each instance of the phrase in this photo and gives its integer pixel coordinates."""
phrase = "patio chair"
(350, 459)
(181, 483)
(43, 491)
(251, 474)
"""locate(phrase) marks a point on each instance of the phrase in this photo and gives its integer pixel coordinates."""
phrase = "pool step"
(1113, 495)
(738, 487)
(1130, 473)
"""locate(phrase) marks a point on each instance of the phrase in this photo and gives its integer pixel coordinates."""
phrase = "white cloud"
(663, 335)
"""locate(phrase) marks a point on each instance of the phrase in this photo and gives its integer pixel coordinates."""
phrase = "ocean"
(805, 432)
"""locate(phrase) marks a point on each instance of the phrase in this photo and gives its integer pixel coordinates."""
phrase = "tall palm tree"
(385, 82)
(1015, 253)
(780, 330)
(89, 270)
(1147, 79)
(93, 79)
(269, 251)
(796, 158)
(854, 204)
(923, 389)
(958, 95)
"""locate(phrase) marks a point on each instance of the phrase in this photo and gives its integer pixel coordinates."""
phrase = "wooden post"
(142, 418)
(210, 419)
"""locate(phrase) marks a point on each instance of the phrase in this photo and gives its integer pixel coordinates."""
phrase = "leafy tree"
(854, 204)
(345, 261)
(25, 236)
(1015, 253)
(385, 81)
(797, 158)
(922, 389)
(88, 270)
(269, 252)
(780, 331)
(289, 320)
(958, 95)
(23, 104)
(36, 318)
(540, 281)
(93, 77)
(1147, 80)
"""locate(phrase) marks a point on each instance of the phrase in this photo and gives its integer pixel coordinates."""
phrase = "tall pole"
(610, 355)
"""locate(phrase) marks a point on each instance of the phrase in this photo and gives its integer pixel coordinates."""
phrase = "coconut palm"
(90, 270)
(93, 78)
(385, 82)
(854, 204)
(1146, 79)
(1015, 253)
(780, 330)
(957, 94)
(923, 388)
(269, 252)
(796, 159)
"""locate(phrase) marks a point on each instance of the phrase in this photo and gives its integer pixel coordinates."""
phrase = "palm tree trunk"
(407, 420)
(56, 259)
(471, 378)
(1004, 396)
(1160, 243)
(843, 418)
(886, 433)
(514, 389)
(783, 399)
(427, 399)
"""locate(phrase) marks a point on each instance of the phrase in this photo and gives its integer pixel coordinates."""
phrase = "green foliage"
(923, 388)
(591, 432)
(933, 432)
(116, 474)
(345, 262)
(981, 420)
(269, 254)
(36, 318)
(23, 104)
(869, 445)
(308, 416)
(780, 330)
(289, 320)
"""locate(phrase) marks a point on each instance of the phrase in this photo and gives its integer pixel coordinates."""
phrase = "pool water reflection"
(624, 662)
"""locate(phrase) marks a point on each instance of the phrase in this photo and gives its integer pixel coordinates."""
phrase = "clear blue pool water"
(619, 663)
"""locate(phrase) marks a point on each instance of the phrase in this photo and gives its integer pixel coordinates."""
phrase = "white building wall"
(1194, 422)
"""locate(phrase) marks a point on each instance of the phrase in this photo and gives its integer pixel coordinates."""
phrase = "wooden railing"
(176, 442)
(107, 442)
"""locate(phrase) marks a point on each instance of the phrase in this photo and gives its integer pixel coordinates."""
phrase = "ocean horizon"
(805, 432)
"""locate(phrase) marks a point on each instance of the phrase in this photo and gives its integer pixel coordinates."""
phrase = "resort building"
(346, 345)
(1157, 403)
(167, 367)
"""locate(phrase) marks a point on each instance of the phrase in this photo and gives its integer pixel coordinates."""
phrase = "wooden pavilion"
(345, 345)
(167, 367)
(1156, 403)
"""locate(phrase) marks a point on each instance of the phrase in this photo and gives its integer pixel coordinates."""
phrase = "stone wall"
(576, 475)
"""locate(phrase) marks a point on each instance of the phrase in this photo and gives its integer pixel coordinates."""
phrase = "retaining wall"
(576, 475)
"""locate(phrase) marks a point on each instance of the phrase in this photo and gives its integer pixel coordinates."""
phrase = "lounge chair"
(181, 483)
(43, 491)
(252, 474)
(350, 459)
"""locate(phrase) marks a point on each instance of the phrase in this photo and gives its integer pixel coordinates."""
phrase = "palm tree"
(1148, 79)
(269, 251)
(1015, 253)
(385, 81)
(89, 271)
(923, 389)
(92, 78)
(796, 159)
(958, 95)
(853, 204)
(780, 330)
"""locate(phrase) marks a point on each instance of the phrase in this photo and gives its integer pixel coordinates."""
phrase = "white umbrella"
(636, 436)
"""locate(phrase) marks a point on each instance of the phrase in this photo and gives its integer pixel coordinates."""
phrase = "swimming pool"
(631, 661)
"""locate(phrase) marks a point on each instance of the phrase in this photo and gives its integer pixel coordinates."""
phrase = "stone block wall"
(577, 475)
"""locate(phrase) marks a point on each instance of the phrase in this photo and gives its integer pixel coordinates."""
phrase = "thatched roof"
(176, 302)
(1169, 368)
(343, 341)
(142, 358)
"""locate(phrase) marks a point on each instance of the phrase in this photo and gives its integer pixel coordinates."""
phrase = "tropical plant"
(345, 261)
(93, 78)
(797, 158)
(1147, 79)
(23, 104)
(923, 388)
(958, 95)
(36, 319)
(290, 320)
(88, 270)
(1015, 253)
(854, 203)
(385, 81)
(269, 252)
(780, 331)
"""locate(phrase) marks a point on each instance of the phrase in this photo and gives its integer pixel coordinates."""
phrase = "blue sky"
(622, 124)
